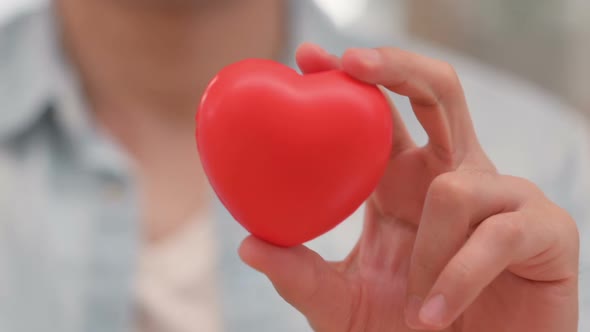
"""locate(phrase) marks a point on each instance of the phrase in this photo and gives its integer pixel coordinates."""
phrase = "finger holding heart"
(448, 244)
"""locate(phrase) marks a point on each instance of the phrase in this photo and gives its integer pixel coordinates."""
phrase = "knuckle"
(461, 272)
(449, 188)
(528, 191)
(562, 214)
(571, 224)
(527, 186)
(507, 230)
(448, 80)
(448, 72)
(479, 174)
(570, 233)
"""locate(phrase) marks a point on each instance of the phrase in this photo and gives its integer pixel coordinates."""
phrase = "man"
(106, 214)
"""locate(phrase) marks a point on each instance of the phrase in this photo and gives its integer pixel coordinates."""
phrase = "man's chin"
(173, 4)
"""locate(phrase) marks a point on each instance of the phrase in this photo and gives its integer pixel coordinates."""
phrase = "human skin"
(448, 243)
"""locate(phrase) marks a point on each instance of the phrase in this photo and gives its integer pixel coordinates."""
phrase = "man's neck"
(158, 55)
(144, 65)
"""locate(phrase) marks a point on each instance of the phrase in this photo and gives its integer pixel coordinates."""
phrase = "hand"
(448, 243)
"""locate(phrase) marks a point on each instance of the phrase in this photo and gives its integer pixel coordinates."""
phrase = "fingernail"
(412, 309)
(370, 56)
(434, 311)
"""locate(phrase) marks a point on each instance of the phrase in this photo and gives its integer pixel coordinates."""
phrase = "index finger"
(312, 58)
(434, 91)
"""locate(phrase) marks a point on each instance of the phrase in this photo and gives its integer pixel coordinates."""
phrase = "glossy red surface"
(291, 156)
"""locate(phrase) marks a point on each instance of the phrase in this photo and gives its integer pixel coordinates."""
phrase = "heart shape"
(291, 156)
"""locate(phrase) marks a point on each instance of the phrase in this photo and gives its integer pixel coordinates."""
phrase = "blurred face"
(164, 4)
(171, 5)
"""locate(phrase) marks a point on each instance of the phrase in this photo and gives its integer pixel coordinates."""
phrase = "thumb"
(305, 280)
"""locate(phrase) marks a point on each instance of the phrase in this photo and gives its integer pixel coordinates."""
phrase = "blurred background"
(547, 42)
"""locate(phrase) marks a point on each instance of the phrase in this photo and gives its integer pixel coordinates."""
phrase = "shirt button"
(112, 186)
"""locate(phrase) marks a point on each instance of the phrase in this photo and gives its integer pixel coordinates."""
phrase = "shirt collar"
(27, 63)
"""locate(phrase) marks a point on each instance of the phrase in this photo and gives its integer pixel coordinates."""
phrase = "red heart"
(292, 156)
